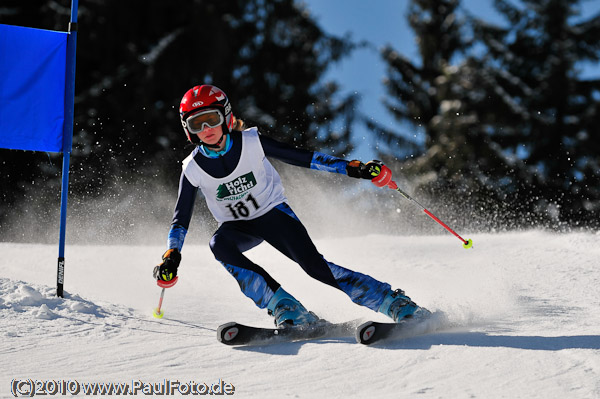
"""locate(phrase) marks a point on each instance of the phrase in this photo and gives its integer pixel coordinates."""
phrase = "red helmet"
(202, 97)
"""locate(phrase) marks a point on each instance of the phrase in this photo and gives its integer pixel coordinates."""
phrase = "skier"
(245, 195)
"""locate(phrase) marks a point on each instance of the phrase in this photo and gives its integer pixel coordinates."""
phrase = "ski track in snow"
(524, 309)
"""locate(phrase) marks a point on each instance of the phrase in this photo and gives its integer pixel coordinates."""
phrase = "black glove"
(360, 170)
(167, 270)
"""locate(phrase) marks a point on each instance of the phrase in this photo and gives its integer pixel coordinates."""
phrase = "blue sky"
(382, 22)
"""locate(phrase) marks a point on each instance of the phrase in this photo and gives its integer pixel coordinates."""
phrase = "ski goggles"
(209, 118)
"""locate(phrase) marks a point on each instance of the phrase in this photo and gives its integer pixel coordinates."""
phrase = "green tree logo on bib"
(236, 188)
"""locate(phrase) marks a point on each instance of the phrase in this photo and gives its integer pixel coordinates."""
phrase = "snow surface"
(527, 305)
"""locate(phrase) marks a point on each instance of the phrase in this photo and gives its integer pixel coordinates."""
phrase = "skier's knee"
(220, 245)
(323, 275)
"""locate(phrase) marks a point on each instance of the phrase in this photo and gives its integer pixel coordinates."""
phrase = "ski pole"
(384, 178)
(157, 312)
(466, 243)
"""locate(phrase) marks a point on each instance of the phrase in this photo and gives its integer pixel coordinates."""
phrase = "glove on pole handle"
(157, 312)
(466, 243)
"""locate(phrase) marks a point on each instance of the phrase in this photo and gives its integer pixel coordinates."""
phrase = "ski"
(240, 334)
(372, 331)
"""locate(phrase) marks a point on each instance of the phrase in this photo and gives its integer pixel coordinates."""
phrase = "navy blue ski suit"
(280, 227)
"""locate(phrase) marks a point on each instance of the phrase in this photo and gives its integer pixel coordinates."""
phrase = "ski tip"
(365, 332)
(226, 333)
(158, 314)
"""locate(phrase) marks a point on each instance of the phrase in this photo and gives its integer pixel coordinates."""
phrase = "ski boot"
(398, 306)
(287, 311)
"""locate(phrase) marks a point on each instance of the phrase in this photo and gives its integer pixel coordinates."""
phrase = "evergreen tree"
(541, 113)
(413, 89)
(429, 98)
(508, 128)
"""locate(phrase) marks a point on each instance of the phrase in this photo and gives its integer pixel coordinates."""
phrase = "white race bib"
(251, 190)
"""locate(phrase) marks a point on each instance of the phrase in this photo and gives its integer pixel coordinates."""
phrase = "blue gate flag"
(32, 88)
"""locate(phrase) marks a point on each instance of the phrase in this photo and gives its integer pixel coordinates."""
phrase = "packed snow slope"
(525, 309)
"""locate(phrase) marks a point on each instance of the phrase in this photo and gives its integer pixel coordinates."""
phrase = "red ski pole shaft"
(164, 285)
(157, 312)
(444, 225)
(466, 243)
(160, 301)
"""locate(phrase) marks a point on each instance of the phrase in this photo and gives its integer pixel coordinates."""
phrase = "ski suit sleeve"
(182, 214)
(304, 158)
